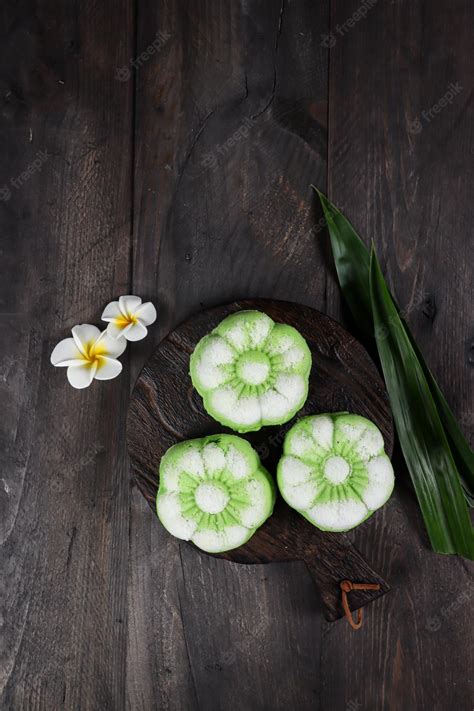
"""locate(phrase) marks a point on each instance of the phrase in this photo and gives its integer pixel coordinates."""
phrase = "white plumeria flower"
(129, 318)
(89, 354)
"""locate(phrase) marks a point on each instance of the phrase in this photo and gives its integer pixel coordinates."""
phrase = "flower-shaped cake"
(334, 470)
(214, 491)
(251, 371)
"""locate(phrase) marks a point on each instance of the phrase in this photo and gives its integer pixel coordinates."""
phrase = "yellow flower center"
(124, 321)
(94, 352)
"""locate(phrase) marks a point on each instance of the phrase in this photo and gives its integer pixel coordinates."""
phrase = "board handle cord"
(346, 587)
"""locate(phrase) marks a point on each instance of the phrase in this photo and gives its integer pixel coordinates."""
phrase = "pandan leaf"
(420, 431)
(352, 262)
(462, 453)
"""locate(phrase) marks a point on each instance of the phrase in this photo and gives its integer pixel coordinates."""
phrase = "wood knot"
(429, 308)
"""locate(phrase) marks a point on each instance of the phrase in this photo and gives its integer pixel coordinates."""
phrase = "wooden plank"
(64, 493)
(230, 132)
(399, 168)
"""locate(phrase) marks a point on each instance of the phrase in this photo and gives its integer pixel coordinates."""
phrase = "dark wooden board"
(165, 408)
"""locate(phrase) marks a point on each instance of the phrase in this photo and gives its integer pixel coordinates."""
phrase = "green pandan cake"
(251, 371)
(334, 470)
(214, 492)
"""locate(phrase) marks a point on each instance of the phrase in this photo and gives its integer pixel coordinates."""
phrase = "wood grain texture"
(64, 490)
(188, 183)
(165, 409)
(223, 213)
(400, 172)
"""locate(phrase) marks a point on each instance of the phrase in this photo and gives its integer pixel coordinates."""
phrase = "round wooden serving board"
(165, 409)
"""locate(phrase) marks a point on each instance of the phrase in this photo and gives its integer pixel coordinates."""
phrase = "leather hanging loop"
(346, 587)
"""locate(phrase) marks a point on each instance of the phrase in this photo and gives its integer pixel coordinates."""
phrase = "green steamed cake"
(334, 470)
(251, 371)
(214, 492)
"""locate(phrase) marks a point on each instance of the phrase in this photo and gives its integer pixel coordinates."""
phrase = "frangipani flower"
(89, 354)
(128, 318)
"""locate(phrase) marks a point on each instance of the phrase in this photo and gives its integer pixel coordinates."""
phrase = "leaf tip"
(374, 262)
(320, 194)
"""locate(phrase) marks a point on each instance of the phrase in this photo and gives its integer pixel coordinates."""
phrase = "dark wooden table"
(166, 149)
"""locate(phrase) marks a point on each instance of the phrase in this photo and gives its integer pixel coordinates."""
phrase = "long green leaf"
(352, 262)
(462, 453)
(421, 434)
